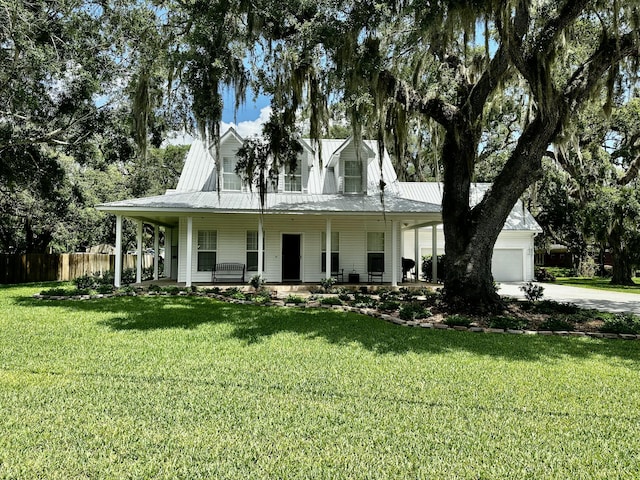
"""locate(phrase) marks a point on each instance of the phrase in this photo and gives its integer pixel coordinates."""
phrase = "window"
(230, 179)
(252, 251)
(335, 249)
(352, 176)
(207, 246)
(375, 251)
(293, 178)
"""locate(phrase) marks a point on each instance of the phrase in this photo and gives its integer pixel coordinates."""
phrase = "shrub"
(458, 320)
(154, 288)
(294, 299)
(556, 324)
(550, 307)
(507, 323)
(55, 292)
(85, 282)
(327, 283)
(621, 323)
(427, 270)
(532, 292)
(172, 290)
(364, 301)
(105, 288)
(330, 301)
(261, 299)
(128, 276)
(256, 282)
(238, 296)
(544, 275)
(345, 297)
(407, 295)
(413, 310)
(388, 305)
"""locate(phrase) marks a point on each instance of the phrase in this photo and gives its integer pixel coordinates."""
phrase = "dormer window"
(230, 179)
(352, 176)
(293, 178)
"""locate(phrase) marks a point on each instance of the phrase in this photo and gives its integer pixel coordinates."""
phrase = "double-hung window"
(375, 251)
(293, 178)
(335, 249)
(207, 249)
(230, 179)
(352, 176)
(252, 251)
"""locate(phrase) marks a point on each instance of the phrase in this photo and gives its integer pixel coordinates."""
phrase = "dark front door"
(290, 258)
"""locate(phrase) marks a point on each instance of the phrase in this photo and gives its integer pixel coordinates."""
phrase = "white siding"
(231, 245)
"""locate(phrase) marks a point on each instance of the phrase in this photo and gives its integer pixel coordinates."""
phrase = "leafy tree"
(443, 63)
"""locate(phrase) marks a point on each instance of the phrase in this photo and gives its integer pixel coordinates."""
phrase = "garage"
(507, 265)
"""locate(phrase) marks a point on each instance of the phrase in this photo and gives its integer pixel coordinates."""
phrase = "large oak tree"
(443, 63)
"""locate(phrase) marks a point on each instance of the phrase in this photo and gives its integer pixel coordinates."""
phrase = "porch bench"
(228, 271)
(375, 274)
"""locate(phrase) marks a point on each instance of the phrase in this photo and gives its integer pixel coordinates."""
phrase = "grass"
(177, 387)
(598, 283)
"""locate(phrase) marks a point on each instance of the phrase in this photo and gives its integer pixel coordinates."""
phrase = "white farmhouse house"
(330, 203)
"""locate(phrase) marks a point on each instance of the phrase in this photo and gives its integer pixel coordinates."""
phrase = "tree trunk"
(471, 233)
(622, 267)
(468, 284)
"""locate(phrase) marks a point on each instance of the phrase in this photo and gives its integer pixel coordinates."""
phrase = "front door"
(290, 257)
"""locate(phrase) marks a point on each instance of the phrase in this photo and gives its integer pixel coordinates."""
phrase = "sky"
(247, 121)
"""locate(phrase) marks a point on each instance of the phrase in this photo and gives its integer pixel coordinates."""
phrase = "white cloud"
(249, 128)
(178, 138)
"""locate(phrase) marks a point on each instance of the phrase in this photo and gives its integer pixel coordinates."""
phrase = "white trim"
(139, 253)
(394, 255)
(434, 254)
(156, 252)
(117, 281)
(189, 256)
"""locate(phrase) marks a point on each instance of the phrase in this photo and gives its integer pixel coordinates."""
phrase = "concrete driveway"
(583, 297)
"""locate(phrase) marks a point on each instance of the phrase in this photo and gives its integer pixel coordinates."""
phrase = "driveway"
(584, 297)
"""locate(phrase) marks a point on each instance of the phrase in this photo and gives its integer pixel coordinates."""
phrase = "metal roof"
(431, 192)
(277, 203)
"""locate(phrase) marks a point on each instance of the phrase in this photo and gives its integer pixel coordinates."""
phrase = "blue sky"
(248, 112)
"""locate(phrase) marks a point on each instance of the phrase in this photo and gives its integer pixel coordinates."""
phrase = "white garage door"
(506, 265)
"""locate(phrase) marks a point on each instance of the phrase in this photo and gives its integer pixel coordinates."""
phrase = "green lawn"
(598, 283)
(176, 387)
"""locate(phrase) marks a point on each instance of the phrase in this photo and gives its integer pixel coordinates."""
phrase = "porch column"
(167, 252)
(189, 260)
(434, 253)
(118, 273)
(156, 252)
(416, 246)
(327, 257)
(139, 256)
(394, 254)
(260, 247)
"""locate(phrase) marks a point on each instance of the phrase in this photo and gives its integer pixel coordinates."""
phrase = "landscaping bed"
(409, 307)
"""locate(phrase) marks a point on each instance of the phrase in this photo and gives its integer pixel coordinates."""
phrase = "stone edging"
(370, 312)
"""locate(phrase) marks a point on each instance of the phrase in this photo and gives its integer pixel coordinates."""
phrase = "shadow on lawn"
(253, 324)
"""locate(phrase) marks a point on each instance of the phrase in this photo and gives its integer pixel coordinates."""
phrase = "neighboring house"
(330, 203)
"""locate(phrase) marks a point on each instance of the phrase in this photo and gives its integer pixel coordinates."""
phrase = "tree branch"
(442, 112)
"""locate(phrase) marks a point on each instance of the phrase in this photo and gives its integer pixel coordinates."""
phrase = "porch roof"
(276, 203)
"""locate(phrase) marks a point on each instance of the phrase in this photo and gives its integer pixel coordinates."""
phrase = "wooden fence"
(37, 267)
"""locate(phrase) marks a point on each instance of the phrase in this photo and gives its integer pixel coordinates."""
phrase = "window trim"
(375, 252)
(290, 177)
(256, 250)
(335, 251)
(346, 177)
(232, 174)
(201, 250)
